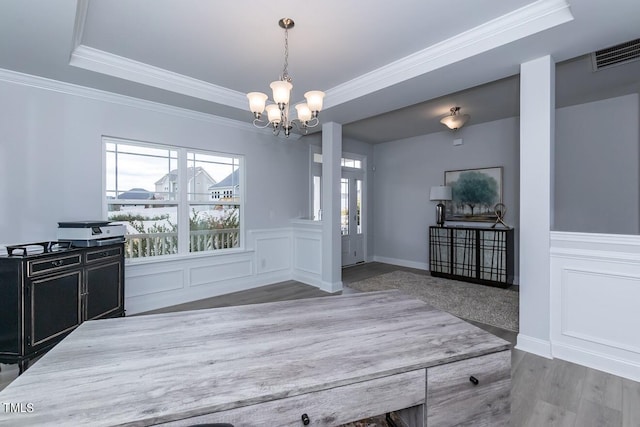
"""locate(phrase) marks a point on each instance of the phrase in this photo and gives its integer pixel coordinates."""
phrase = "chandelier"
(278, 113)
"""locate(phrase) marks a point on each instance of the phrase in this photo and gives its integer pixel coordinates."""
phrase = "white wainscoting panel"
(584, 303)
(273, 249)
(152, 280)
(595, 290)
(169, 281)
(220, 270)
(307, 252)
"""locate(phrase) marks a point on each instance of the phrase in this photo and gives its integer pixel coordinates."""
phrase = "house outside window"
(163, 195)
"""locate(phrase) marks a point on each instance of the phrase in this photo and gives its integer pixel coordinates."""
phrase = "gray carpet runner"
(485, 304)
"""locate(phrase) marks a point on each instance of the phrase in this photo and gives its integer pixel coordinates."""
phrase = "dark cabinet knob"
(305, 419)
(474, 380)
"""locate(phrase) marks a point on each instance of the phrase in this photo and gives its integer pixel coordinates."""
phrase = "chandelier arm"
(303, 126)
(297, 123)
(259, 123)
(313, 122)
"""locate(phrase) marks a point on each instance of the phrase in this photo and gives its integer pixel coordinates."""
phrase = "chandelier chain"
(285, 69)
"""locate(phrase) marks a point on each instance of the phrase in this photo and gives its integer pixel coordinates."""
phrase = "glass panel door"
(351, 219)
(344, 207)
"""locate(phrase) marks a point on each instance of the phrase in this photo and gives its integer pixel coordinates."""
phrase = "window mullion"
(242, 202)
(183, 203)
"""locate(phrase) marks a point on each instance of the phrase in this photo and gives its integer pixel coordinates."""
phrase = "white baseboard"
(307, 278)
(402, 262)
(330, 287)
(534, 345)
(602, 362)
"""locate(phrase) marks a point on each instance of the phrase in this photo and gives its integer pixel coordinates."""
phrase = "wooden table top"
(144, 370)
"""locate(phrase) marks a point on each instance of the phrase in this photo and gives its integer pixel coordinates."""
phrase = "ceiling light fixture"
(455, 120)
(278, 113)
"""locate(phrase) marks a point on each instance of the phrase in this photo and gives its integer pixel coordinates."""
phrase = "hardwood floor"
(544, 392)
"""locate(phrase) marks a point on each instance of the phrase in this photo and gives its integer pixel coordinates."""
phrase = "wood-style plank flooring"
(544, 392)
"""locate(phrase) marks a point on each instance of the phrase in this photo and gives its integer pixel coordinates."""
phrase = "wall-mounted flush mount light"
(455, 120)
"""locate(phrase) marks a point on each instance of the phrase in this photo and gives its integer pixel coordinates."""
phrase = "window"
(345, 162)
(344, 206)
(173, 200)
(351, 163)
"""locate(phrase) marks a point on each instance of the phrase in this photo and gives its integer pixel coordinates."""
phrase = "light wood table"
(334, 359)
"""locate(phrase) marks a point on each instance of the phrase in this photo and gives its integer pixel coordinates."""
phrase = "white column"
(331, 239)
(537, 132)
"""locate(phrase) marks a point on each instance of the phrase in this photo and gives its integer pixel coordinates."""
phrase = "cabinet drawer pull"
(305, 419)
(57, 263)
(474, 380)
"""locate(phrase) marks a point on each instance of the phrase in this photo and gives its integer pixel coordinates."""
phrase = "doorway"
(352, 202)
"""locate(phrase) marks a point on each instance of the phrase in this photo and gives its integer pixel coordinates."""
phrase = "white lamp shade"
(455, 121)
(304, 113)
(281, 91)
(273, 112)
(257, 101)
(314, 100)
(441, 192)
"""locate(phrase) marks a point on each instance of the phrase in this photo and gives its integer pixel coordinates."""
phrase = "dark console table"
(473, 254)
(47, 295)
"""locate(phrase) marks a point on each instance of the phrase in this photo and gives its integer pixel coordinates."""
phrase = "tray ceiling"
(371, 58)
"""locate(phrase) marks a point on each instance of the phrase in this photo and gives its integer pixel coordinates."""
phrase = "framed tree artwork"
(475, 192)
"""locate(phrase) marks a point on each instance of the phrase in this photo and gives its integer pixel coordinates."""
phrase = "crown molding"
(44, 83)
(124, 100)
(78, 24)
(107, 63)
(526, 21)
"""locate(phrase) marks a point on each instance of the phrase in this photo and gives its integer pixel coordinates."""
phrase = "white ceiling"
(390, 69)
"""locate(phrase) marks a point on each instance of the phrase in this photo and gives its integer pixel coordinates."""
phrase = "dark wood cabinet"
(46, 296)
(104, 277)
(472, 254)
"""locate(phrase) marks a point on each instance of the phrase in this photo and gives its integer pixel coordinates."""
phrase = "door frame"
(315, 169)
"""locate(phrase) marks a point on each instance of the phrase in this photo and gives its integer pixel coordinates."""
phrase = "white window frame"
(315, 169)
(182, 202)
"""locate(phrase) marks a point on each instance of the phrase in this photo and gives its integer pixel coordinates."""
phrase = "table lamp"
(440, 194)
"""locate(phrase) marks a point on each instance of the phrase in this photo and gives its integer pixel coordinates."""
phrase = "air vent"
(616, 55)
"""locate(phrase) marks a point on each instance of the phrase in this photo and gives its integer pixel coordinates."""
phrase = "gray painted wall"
(51, 159)
(406, 169)
(597, 167)
(597, 170)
